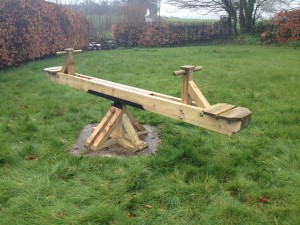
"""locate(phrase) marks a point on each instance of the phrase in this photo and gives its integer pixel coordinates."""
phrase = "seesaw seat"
(229, 113)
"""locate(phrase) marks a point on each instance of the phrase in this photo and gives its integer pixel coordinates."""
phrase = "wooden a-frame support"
(119, 127)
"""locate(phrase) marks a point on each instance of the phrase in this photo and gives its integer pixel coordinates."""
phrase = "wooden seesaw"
(119, 127)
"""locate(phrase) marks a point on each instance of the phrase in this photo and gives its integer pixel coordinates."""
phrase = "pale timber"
(119, 127)
(64, 52)
(154, 102)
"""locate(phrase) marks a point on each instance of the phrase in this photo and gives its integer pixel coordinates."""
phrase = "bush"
(154, 36)
(127, 34)
(251, 40)
(165, 34)
(34, 28)
(288, 26)
(294, 44)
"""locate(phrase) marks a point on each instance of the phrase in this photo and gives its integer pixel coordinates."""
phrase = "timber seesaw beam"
(191, 108)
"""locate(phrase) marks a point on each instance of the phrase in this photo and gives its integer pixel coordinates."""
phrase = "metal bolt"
(180, 109)
(180, 117)
(201, 114)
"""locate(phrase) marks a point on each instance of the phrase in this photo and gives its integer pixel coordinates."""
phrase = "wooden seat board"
(217, 109)
(235, 114)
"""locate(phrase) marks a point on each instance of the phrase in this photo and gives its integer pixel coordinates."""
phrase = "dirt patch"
(151, 138)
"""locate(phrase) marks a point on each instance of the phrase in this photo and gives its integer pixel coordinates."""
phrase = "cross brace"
(117, 127)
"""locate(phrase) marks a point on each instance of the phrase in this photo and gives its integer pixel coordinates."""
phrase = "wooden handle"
(197, 68)
(64, 52)
(183, 72)
(179, 72)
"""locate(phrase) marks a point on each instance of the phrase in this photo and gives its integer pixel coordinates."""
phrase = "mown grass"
(188, 20)
(198, 176)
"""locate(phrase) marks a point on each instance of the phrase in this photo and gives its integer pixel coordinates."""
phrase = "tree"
(245, 11)
(137, 9)
(251, 10)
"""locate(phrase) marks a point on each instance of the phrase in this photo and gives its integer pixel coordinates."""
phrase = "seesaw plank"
(151, 101)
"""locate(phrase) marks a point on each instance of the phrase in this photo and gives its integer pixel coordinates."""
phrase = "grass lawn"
(193, 21)
(198, 176)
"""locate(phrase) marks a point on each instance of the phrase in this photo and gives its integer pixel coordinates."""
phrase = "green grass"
(198, 176)
(187, 20)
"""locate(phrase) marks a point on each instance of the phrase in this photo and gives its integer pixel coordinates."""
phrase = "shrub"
(294, 44)
(127, 34)
(165, 34)
(34, 28)
(251, 40)
(288, 26)
(154, 36)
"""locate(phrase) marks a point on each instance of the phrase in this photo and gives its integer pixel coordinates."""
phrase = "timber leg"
(117, 127)
(68, 67)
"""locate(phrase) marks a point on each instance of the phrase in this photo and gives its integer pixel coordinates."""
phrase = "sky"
(169, 11)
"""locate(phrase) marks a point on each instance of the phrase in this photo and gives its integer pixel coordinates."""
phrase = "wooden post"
(187, 76)
(68, 67)
(191, 95)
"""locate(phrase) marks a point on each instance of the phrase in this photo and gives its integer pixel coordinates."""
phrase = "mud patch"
(151, 138)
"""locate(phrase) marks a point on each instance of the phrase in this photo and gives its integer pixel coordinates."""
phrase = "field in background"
(187, 20)
(198, 176)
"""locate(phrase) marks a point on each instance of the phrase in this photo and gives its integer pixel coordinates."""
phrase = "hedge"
(166, 34)
(34, 28)
(288, 26)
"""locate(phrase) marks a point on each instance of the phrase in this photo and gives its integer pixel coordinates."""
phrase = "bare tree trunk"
(235, 32)
(242, 17)
(229, 25)
(246, 15)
